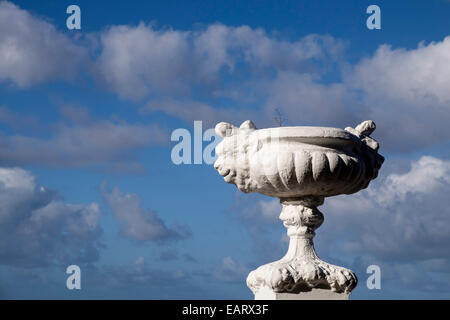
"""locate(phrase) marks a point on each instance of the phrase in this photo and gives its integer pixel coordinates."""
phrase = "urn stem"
(301, 217)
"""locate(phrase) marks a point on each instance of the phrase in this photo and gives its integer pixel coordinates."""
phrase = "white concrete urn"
(300, 166)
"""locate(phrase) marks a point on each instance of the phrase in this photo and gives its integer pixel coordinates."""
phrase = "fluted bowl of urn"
(301, 166)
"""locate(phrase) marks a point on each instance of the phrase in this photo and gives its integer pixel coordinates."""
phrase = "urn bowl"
(292, 162)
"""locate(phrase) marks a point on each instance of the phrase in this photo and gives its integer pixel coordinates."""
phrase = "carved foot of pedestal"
(301, 276)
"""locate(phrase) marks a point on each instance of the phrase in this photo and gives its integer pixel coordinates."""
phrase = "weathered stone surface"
(301, 166)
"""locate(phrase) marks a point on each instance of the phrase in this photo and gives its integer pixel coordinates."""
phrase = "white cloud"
(16, 178)
(428, 175)
(137, 223)
(220, 45)
(138, 61)
(406, 93)
(33, 51)
(37, 228)
(418, 77)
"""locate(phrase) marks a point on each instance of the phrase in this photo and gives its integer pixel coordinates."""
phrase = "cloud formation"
(403, 91)
(32, 51)
(138, 61)
(406, 93)
(413, 76)
(228, 73)
(137, 223)
(37, 228)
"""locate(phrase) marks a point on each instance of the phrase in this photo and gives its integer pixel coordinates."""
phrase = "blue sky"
(86, 116)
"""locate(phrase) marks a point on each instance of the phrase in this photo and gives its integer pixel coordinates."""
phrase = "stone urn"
(300, 166)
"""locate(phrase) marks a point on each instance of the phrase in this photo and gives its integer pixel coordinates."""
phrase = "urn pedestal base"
(300, 274)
